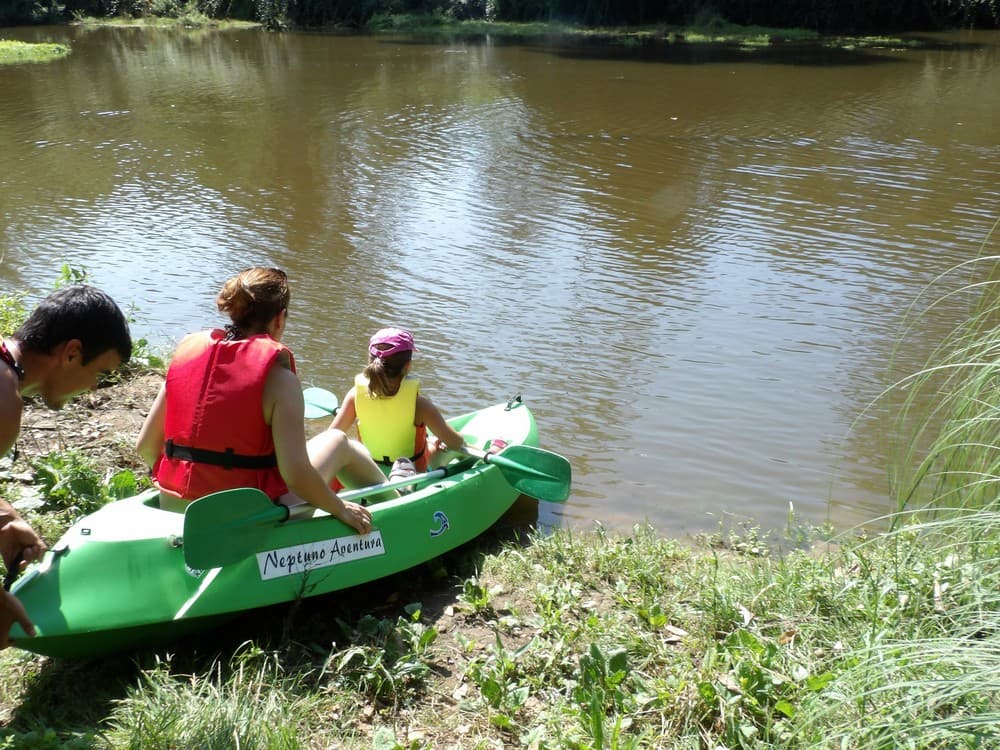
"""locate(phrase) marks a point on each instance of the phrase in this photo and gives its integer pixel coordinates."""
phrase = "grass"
(13, 52)
(952, 459)
(582, 640)
(188, 20)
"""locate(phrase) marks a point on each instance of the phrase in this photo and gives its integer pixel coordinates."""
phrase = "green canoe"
(133, 575)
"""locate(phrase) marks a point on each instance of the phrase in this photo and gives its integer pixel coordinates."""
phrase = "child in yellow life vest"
(391, 415)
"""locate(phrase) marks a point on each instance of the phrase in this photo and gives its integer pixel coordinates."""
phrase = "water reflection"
(692, 269)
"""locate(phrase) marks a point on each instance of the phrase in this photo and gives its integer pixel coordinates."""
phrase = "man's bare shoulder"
(11, 409)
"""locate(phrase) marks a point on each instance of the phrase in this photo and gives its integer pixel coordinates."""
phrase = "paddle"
(319, 403)
(13, 571)
(531, 471)
(225, 527)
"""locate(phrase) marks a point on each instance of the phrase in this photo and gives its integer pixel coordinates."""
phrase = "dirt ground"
(102, 424)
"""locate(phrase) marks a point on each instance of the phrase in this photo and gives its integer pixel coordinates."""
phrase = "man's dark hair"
(77, 312)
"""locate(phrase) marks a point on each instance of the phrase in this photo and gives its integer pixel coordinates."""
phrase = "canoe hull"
(117, 579)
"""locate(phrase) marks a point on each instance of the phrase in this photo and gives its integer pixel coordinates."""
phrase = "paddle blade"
(319, 403)
(225, 527)
(534, 472)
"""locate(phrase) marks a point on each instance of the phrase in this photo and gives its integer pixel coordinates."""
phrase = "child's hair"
(389, 351)
(253, 297)
(385, 374)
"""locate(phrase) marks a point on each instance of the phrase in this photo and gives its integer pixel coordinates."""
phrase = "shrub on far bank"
(13, 52)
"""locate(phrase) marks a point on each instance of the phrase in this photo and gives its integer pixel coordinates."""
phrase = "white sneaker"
(402, 468)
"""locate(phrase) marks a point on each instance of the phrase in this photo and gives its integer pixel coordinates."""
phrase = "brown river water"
(693, 266)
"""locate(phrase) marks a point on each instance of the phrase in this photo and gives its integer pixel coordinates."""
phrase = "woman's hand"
(357, 517)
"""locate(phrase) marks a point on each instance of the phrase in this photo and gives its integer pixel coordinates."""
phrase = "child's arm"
(346, 415)
(428, 414)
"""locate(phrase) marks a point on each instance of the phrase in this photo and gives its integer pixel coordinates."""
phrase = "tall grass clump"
(926, 670)
(952, 455)
(249, 703)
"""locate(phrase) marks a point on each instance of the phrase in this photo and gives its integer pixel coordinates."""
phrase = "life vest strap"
(227, 459)
(386, 461)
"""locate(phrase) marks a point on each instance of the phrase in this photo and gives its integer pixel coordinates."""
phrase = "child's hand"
(496, 445)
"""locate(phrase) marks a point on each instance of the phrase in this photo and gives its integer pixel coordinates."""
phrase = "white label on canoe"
(303, 557)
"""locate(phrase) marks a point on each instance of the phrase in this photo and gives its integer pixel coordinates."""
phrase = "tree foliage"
(823, 16)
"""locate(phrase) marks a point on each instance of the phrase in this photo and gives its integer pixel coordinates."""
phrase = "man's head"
(84, 332)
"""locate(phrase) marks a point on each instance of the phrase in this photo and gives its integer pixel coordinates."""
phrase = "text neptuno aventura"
(302, 557)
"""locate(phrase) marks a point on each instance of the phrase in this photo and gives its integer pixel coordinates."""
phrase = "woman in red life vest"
(231, 414)
(391, 414)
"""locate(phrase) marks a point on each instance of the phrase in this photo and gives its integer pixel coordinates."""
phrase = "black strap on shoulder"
(227, 459)
(7, 357)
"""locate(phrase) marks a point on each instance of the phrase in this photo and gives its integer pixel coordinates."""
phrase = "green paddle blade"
(532, 471)
(319, 403)
(227, 526)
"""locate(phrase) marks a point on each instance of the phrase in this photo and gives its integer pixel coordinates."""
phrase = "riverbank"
(571, 640)
(713, 31)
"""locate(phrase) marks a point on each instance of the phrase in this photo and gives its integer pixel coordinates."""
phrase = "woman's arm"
(284, 408)
(149, 444)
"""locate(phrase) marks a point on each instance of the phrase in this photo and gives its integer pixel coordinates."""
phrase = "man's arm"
(17, 538)
(7, 513)
(11, 407)
(11, 611)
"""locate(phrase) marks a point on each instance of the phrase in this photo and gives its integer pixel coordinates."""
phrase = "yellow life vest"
(385, 425)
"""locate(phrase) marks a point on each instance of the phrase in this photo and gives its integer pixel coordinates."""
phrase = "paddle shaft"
(15, 569)
(352, 495)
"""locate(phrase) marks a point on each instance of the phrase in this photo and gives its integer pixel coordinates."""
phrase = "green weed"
(476, 597)
(71, 483)
(387, 661)
(500, 677)
(13, 311)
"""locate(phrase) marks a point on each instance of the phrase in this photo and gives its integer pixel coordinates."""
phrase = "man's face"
(72, 377)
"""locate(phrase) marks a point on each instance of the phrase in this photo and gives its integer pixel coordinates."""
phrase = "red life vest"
(216, 436)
